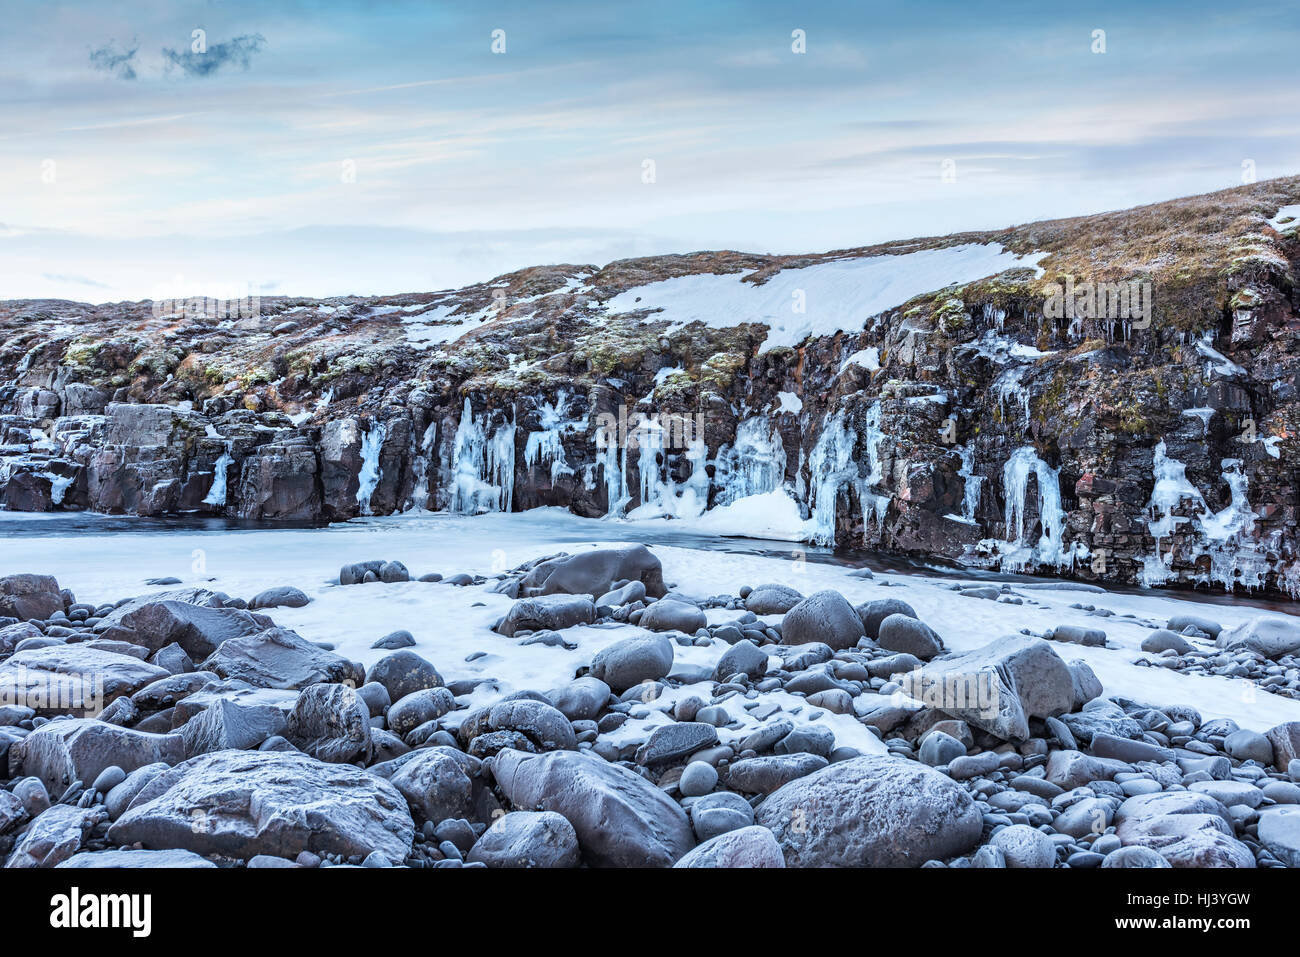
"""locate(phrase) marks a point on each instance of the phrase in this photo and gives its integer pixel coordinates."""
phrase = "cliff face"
(1111, 397)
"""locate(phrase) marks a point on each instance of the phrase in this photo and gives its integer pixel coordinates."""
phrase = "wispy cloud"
(115, 61)
(238, 50)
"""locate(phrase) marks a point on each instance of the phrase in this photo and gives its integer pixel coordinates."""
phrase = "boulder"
(28, 597)
(998, 687)
(872, 613)
(1162, 639)
(825, 617)
(173, 859)
(621, 819)
(55, 836)
(631, 661)
(872, 811)
(79, 749)
(547, 613)
(418, 707)
(752, 846)
(546, 728)
(670, 615)
(68, 679)
(1285, 739)
(330, 723)
(527, 839)
(582, 699)
(198, 629)
(744, 657)
(910, 635)
(1267, 635)
(1279, 831)
(772, 599)
(595, 572)
(281, 596)
(244, 803)
(279, 658)
(440, 782)
(671, 743)
(763, 775)
(1187, 828)
(402, 673)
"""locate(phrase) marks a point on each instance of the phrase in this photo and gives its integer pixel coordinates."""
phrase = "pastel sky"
(322, 148)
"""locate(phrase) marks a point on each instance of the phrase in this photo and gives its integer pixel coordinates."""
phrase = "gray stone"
(29, 597)
(198, 629)
(1269, 636)
(621, 819)
(71, 679)
(1279, 831)
(670, 615)
(938, 748)
(330, 723)
(170, 859)
(744, 657)
(80, 749)
(528, 839)
(825, 617)
(672, 742)
(752, 846)
(281, 596)
(629, 662)
(872, 613)
(440, 782)
(117, 800)
(279, 658)
(582, 699)
(1078, 635)
(698, 778)
(546, 728)
(1162, 639)
(1025, 847)
(764, 775)
(1187, 828)
(547, 613)
(1246, 745)
(595, 572)
(395, 640)
(402, 673)
(1135, 856)
(408, 713)
(997, 687)
(909, 635)
(772, 599)
(238, 722)
(55, 836)
(245, 803)
(871, 811)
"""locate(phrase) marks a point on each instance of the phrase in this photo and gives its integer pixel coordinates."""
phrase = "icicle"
(217, 494)
(368, 479)
(754, 466)
(547, 446)
(420, 468)
(1050, 548)
(483, 469)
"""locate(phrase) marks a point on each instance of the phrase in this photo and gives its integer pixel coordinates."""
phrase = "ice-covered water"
(452, 623)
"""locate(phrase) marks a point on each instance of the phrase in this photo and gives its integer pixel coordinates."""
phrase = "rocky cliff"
(1110, 397)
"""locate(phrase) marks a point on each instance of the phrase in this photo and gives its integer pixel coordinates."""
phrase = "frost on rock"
(483, 466)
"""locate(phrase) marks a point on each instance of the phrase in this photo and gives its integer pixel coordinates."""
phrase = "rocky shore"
(185, 728)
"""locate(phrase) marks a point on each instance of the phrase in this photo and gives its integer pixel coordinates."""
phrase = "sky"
(315, 148)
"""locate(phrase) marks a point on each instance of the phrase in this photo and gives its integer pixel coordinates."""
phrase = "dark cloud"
(236, 50)
(110, 59)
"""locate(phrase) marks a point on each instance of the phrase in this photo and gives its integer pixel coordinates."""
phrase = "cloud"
(109, 59)
(236, 50)
(75, 280)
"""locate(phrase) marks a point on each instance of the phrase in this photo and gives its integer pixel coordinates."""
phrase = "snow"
(818, 300)
(789, 402)
(451, 623)
(1219, 363)
(1291, 215)
(868, 359)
